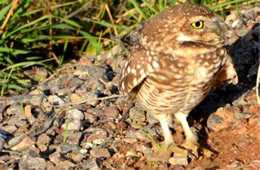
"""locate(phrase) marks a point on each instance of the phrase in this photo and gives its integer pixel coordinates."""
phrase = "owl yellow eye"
(198, 24)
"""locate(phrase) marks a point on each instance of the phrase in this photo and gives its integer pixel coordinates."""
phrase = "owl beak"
(215, 27)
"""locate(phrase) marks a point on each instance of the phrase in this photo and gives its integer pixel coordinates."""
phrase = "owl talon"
(192, 148)
(195, 151)
(208, 153)
(166, 151)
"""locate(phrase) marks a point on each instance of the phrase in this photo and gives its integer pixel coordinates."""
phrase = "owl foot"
(192, 147)
(165, 151)
(195, 150)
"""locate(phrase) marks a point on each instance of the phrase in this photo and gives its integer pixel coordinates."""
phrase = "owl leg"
(168, 140)
(191, 138)
(168, 145)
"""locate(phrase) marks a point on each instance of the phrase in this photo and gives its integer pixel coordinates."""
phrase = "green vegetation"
(45, 33)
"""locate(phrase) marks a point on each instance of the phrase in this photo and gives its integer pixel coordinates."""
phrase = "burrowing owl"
(178, 59)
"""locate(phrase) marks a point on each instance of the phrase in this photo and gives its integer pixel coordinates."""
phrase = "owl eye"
(198, 24)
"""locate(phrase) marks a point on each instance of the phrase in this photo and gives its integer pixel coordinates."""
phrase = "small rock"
(85, 61)
(36, 100)
(98, 136)
(178, 160)
(77, 157)
(2, 142)
(55, 100)
(74, 138)
(121, 126)
(32, 161)
(74, 125)
(130, 136)
(16, 115)
(137, 114)
(215, 122)
(110, 126)
(43, 141)
(141, 136)
(66, 148)
(111, 112)
(96, 112)
(50, 165)
(129, 140)
(255, 164)
(8, 128)
(75, 98)
(65, 165)
(28, 114)
(98, 152)
(56, 158)
(48, 107)
(254, 108)
(26, 143)
(131, 153)
(74, 114)
(238, 116)
(144, 149)
(89, 117)
(90, 164)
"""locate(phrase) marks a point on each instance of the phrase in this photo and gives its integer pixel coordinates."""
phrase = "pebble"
(75, 98)
(98, 136)
(99, 152)
(90, 164)
(74, 114)
(55, 100)
(56, 158)
(74, 138)
(238, 116)
(65, 165)
(140, 135)
(77, 157)
(26, 143)
(66, 148)
(43, 141)
(178, 160)
(111, 112)
(31, 160)
(8, 128)
(74, 125)
(28, 114)
(2, 142)
(214, 122)
(137, 114)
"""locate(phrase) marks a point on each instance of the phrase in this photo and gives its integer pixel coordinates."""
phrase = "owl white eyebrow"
(183, 38)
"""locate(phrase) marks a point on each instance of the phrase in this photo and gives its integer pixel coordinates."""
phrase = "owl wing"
(228, 74)
(135, 70)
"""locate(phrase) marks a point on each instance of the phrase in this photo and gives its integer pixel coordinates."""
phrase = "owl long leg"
(168, 146)
(164, 121)
(191, 138)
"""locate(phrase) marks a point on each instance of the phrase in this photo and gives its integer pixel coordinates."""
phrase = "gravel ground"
(72, 120)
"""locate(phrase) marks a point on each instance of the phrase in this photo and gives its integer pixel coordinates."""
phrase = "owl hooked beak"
(217, 27)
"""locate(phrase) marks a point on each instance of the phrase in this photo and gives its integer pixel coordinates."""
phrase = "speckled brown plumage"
(174, 65)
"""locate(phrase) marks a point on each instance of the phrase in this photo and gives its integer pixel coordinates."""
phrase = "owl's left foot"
(195, 150)
(192, 147)
(165, 151)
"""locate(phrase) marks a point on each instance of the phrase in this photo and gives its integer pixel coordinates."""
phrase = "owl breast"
(180, 84)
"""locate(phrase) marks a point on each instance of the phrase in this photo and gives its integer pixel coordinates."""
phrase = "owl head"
(185, 26)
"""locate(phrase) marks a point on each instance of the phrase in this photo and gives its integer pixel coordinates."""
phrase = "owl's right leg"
(168, 146)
